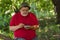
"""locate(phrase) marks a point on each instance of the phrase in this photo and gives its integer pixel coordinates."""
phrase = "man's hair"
(24, 4)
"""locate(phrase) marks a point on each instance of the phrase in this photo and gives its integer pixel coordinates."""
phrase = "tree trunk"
(57, 5)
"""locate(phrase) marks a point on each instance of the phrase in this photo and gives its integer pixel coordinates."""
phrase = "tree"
(57, 7)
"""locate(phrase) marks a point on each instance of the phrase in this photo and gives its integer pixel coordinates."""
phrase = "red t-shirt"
(30, 19)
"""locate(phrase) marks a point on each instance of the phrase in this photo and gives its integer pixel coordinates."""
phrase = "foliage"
(43, 10)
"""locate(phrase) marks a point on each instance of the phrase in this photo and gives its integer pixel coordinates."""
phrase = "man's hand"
(21, 25)
(34, 27)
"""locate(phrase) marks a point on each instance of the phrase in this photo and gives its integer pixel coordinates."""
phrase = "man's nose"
(25, 11)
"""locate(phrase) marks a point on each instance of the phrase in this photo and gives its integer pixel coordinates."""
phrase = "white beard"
(24, 14)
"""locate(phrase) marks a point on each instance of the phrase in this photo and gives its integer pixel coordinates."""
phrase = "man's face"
(24, 11)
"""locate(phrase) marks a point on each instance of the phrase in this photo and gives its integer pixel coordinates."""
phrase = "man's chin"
(24, 15)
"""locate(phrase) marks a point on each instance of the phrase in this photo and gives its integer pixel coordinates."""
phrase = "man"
(24, 24)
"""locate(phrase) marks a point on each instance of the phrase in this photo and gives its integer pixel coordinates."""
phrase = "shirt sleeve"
(34, 19)
(12, 21)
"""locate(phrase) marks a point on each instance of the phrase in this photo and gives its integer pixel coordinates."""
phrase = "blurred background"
(47, 12)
